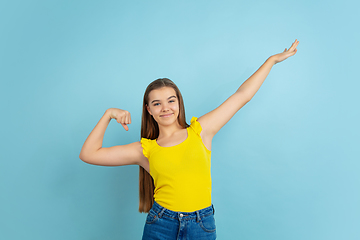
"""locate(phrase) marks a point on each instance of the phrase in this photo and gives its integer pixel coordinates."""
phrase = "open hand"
(286, 53)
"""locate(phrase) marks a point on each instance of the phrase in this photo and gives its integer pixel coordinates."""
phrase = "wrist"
(272, 60)
(107, 114)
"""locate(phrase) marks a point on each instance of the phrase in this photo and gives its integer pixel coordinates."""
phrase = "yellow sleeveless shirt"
(181, 173)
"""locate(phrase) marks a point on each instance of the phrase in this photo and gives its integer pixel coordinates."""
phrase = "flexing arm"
(213, 121)
(92, 151)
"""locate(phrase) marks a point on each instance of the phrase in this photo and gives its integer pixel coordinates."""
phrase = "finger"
(123, 120)
(291, 47)
(125, 126)
(293, 52)
(126, 117)
(129, 118)
(117, 119)
(294, 45)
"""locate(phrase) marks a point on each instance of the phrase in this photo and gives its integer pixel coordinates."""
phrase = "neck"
(169, 130)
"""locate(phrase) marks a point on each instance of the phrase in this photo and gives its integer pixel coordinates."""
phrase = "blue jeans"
(164, 224)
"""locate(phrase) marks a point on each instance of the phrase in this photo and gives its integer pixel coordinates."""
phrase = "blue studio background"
(285, 167)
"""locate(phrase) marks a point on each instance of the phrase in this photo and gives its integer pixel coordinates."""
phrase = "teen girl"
(174, 157)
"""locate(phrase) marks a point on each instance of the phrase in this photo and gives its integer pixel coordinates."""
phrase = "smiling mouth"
(166, 115)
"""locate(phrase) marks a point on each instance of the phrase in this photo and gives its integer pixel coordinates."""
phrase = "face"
(163, 105)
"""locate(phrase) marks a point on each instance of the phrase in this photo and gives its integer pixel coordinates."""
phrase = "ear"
(148, 109)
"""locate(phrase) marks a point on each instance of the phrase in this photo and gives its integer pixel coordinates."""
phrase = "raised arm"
(92, 151)
(213, 121)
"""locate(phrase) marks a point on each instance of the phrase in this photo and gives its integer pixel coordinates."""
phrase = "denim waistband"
(160, 210)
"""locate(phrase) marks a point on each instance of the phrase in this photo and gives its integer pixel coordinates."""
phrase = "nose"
(165, 107)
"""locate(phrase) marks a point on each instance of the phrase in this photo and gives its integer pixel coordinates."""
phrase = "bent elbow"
(82, 157)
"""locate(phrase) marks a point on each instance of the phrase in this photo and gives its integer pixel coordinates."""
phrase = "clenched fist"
(121, 116)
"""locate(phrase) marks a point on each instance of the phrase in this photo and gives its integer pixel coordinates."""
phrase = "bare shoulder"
(205, 123)
(205, 135)
(142, 160)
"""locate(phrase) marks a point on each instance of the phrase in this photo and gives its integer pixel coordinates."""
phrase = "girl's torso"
(181, 172)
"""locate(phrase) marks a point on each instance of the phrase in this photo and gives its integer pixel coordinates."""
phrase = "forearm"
(95, 139)
(253, 83)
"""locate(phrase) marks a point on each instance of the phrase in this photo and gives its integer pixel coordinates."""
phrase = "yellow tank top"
(181, 173)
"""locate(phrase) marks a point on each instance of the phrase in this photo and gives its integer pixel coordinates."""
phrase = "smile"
(166, 115)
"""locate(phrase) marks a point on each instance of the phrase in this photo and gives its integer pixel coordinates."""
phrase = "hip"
(162, 223)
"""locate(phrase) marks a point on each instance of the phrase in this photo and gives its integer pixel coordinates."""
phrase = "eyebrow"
(167, 99)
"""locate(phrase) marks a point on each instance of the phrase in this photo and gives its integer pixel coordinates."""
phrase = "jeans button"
(181, 215)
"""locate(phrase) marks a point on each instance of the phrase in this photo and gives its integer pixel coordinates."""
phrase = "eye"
(156, 104)
(172, 101)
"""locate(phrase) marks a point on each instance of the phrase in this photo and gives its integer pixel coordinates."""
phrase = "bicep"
(129, 154)
(213, 121)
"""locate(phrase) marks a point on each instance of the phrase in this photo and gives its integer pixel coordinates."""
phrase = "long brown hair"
(150, 130)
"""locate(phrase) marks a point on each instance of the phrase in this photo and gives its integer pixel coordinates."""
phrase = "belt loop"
(161, 212)
(198, 216)
(213, 208)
